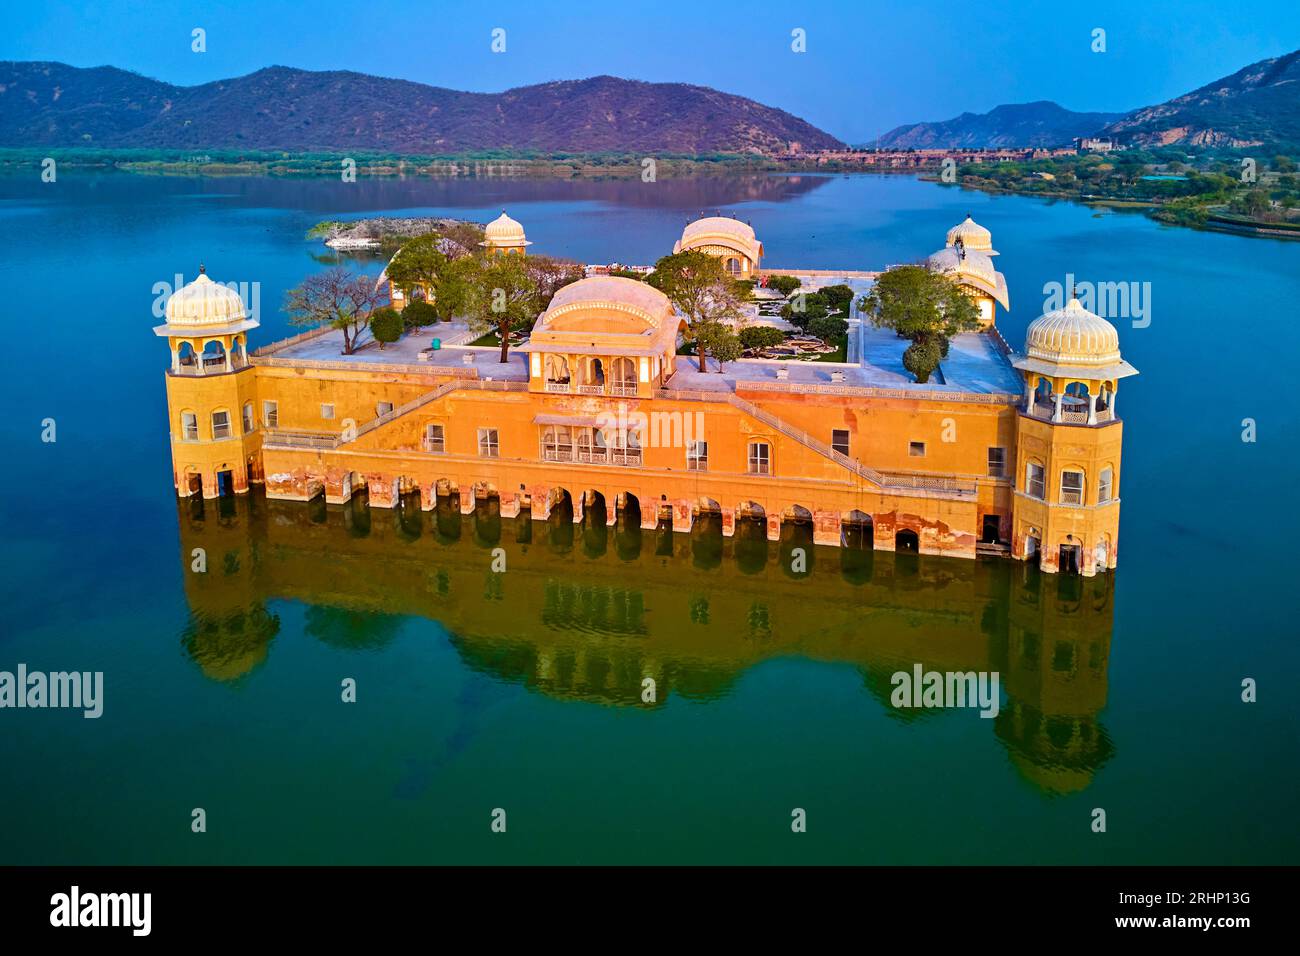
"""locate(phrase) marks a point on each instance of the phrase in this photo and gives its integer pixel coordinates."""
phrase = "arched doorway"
(908, 541)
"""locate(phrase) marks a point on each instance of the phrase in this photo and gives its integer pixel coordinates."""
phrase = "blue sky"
(869, 66)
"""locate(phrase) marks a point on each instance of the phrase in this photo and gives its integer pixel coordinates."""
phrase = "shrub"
(783, 284)
(418, 314)
(386, 326)
(828, 329)
(761, 336)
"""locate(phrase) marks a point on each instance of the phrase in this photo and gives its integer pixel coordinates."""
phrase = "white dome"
(972, 235)
(203, 303)
(503, 230)
(1072, 336)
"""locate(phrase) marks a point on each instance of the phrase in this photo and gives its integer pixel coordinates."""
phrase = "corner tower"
(504, 237)
(967, 258)
(210, 391)
(1068, 443)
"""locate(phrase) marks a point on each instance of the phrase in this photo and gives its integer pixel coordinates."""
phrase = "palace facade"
(1001, 452)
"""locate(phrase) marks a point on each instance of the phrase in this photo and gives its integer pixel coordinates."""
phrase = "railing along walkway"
(946, 486)
(319, 440)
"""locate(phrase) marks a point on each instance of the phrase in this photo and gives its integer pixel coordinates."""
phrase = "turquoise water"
(522, 692)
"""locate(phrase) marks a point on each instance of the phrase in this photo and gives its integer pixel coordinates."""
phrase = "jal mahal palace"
(597, 417)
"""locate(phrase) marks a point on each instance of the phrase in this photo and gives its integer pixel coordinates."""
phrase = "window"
(270, 414)
(327, 411)
(189, 426)
(840, 440)
(997, 462)
(434, 440)
(916, 449)
(1035, 481)
(221, 424)
(697, 456)
(383, 408)
(1104, 486)
(1071, 487)
(250, 423)
(760, 458)
(487, 443)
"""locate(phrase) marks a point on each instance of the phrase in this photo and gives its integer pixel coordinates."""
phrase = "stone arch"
(908, 541)
(706, 505)
(857, 531)
(798, 514)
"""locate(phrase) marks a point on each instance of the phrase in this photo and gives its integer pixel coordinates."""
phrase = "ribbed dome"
(972, 264)
(1072, 336)
(204, 302)
(972, 235)
(503, 228)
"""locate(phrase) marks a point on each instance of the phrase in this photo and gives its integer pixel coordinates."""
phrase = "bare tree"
(338, 298)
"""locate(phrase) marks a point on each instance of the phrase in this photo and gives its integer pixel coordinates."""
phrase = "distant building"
(1090, 144)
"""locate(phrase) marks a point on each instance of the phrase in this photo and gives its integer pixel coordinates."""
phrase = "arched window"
(1072, 486)
(1105, 485)
(733, 266)
(557, 369)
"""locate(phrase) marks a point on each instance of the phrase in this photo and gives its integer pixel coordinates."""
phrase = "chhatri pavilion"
(597, 417)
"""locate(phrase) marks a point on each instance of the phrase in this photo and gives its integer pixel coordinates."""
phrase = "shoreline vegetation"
(1253, 194)
(1222, 190)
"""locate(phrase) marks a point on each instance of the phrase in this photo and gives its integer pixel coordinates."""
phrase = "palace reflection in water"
(586, 611)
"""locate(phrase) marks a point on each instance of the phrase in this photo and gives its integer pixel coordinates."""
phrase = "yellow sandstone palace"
(1001, 452)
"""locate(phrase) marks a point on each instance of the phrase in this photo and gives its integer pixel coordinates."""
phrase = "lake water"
(522, 691)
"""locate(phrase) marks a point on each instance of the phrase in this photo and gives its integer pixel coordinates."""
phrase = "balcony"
(620, 389)
(1072, 412)
(209, 365)
(591, 455)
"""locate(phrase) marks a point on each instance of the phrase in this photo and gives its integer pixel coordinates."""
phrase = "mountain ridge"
(46, 103)
(1039, 123)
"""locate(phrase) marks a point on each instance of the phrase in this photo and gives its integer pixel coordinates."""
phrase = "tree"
(783, 284)
(501, 296)
(717, 339)
(455, 287)
(550, 276)
(386, 326)
(924, 306)
(803, 308)
(761, 337)
(838, 297)
(417, 314)
(338, 298)
(418, 264)
(698, 285)
(828, 328)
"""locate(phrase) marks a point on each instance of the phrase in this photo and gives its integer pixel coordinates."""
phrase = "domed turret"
(972, 236)
(1073, 342)
(204, 304)
(1068, 442)
(504, 235)
(965, 260)
(731, 240)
